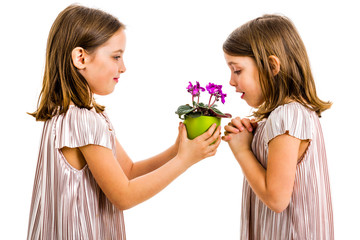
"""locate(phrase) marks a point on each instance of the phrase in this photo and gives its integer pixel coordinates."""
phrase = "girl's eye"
(117, 57)
(237, 72)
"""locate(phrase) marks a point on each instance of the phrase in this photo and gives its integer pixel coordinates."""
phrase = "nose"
(232, 82)
(122, 67)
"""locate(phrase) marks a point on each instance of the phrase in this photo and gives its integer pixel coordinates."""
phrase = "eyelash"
(117, 57)
(237, 72)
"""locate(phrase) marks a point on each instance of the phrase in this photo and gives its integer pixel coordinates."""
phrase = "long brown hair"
(75, 26)
(276, 35)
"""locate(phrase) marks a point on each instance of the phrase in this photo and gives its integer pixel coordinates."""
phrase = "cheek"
(235, 80)
(110, 68)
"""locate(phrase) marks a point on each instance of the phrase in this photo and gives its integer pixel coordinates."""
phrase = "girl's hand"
(238, 134)
(203, 146)
(238, 125)
(240, 143)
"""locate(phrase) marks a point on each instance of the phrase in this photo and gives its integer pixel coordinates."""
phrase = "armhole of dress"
(300, 160)
(63, 158)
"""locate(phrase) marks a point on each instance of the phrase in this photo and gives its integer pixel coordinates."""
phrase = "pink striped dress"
(67, 203)
(309, 215)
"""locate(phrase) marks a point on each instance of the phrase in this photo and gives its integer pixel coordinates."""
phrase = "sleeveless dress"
(67, 203)
(309, 214)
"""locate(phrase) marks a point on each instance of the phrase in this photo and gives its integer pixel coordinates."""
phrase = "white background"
(168, 44)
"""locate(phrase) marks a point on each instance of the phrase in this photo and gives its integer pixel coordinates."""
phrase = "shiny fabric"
(309, 214)
(67, 204)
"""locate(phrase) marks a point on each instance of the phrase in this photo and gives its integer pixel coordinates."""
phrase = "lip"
(116, 80)
(242, 94)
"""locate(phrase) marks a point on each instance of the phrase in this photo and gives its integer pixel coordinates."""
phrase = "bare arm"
(126, 193)
(273, 185)
(133, 170)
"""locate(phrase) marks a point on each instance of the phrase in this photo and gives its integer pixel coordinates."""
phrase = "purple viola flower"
(199, 87)
(216, 91)
(195, 89)
(195, 92)
(190, 87)
(201, 109)
(211, 88)
(220, 94)
(223, 96)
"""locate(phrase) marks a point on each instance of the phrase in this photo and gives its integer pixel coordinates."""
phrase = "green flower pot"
(197, 126)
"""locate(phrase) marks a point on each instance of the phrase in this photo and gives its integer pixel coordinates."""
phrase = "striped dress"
(309, 214)
(67, 203)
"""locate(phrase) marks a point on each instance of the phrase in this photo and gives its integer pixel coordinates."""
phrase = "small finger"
(231, 129)
(214, 136)
(216, 144)
(226, 138)
(236, 122)
(210, 154)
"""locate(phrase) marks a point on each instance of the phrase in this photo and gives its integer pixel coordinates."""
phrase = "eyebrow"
(232, 63)
(120, 50)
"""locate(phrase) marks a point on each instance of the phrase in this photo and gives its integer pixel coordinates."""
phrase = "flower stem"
(210, 101)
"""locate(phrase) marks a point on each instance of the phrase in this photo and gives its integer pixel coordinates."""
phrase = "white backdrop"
(168, 44)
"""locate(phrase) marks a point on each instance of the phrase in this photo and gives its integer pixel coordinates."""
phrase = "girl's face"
(245, 79)
(104, 66)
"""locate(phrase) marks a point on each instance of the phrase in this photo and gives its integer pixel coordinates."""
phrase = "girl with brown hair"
(286, 190)
(84, 178)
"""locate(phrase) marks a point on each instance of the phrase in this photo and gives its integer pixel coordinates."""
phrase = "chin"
(104, 93)
(253, 105)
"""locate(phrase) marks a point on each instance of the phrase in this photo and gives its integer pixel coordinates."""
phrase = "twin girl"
(84, 178)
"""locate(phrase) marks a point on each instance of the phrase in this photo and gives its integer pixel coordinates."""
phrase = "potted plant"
(199, 117)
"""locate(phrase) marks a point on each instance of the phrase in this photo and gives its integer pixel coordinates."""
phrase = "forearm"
(148, 165)
(124, 192)
(255, 174)
(146, 186)
(253, 171)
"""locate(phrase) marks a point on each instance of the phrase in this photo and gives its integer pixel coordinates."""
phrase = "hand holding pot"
(192, 151)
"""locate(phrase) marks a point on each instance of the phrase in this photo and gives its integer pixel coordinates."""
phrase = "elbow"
(124, 204)
(278, 205)
(278, 208)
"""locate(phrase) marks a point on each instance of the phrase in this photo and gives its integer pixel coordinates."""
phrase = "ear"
(78, 57)
(274, 64)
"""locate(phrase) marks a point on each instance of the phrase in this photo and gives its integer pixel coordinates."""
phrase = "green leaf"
(202, 105)
(184, 109)
(216, 110)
